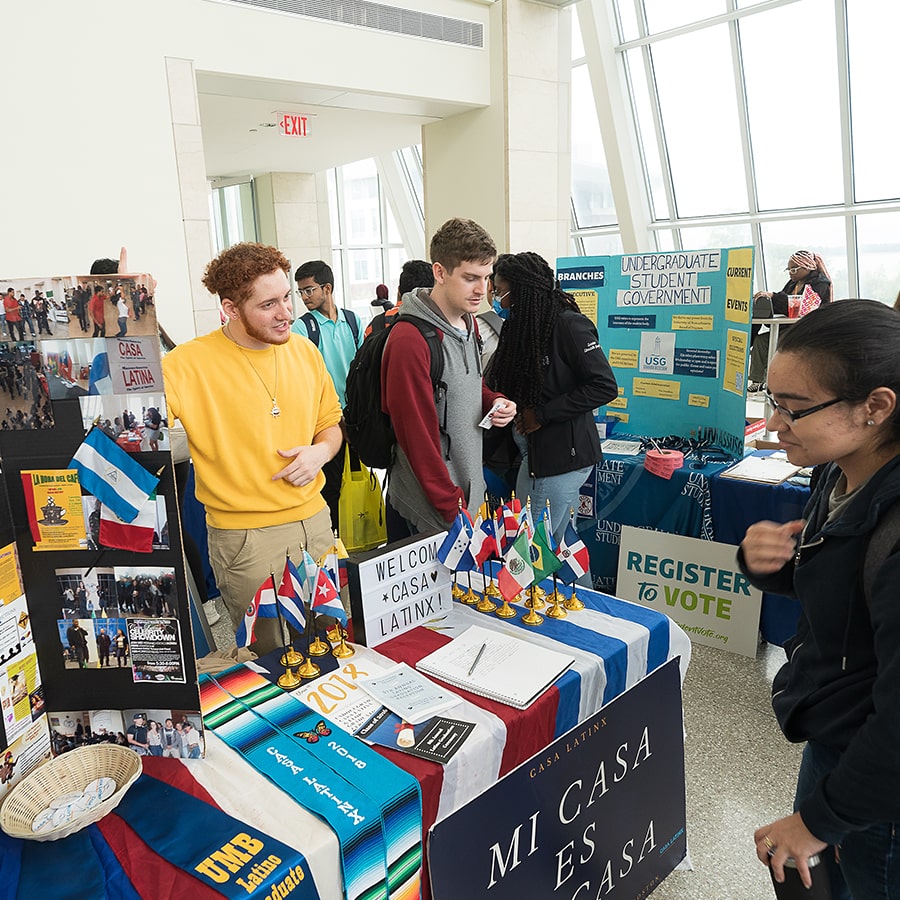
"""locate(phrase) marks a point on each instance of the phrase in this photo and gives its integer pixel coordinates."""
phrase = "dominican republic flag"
(573, 554)
(484, 540)
(543, 558)
(516, 573)
(136, 535)
(100, 381)
(112, 476)
(454, 553)
(509, 517)
(262, 604)
(326, 598)
(290, 596)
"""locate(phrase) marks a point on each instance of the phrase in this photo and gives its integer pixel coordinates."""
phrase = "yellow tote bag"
(361, 508)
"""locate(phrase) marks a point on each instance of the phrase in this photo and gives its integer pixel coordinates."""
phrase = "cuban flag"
(484, 543)
(262, 604)
(326, 598)
(454, 553)
(573, 554)
(516, 573)
(290, 596)
(112, 476)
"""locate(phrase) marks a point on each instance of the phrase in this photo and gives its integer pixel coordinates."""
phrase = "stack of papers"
(772, 469)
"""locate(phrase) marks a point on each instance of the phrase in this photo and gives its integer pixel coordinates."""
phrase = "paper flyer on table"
(409, 694)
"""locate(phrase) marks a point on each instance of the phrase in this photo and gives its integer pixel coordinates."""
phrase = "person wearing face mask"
(490, 323)
(803, 268)
(549, 361)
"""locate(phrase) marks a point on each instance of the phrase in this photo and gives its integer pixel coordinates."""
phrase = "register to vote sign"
(697, 583)
(398, 587)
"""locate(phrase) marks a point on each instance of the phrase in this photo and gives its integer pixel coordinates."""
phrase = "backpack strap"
(882, 543)
(436, 371)
(353, 321)
(312, 327)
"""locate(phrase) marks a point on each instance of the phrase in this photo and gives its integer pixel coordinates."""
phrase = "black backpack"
(312, 326)
(369, 430)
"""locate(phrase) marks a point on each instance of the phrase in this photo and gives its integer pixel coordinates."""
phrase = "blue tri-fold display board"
(675, 327)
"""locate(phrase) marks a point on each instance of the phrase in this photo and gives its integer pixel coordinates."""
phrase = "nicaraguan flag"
(454, 552)
(573, 554)
(326, 598)
(112, 476)
(290, 596)
(516, 573)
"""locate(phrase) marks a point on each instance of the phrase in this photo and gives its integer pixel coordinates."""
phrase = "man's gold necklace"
(275, 412)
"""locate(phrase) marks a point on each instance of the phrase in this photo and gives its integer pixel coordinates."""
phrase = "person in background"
(97, 311)
(549, 361)
(191, 741)
(103, 644)
(154, 738)
(261, 416)
(171, 740)
(121, 312)
(438, 455)
(25, 310)
(834, 385)
(337, 333)
(382, 295)
(803, 268)
(137, 735)
(152, 426)
(415, 273)
(120, 643)
(13, 316)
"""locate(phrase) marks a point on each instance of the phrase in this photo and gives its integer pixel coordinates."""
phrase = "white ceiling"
(239, 119)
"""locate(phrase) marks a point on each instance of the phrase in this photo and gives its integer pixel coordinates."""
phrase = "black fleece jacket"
(577, 380)
(841, 684)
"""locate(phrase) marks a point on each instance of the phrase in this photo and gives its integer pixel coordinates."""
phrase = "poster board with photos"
(107, 605)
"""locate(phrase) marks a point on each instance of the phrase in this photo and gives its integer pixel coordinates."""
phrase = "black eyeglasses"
(794, 416)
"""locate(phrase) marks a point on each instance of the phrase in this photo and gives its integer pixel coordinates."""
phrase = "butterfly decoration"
(311, 737)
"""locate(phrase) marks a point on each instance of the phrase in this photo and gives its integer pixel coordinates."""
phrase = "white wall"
(88, 153)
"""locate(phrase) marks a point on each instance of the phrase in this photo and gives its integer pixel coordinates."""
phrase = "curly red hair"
(232, 273)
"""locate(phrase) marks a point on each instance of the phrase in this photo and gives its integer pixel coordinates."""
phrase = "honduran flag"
(454, 552)
(326, 598)
(112, 476)
(573, 554)
(136, 535)
(262, 604)
(290, 596)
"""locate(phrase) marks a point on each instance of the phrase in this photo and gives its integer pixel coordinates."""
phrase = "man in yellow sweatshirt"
(261, 416)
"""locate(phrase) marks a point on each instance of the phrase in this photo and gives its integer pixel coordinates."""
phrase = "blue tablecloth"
(624, 493)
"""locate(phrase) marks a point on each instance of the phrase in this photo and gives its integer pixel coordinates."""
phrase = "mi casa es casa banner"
(599, 813)
(697, 583)
(675, 328)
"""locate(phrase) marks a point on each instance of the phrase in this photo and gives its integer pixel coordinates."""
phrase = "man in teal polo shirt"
(337, 333)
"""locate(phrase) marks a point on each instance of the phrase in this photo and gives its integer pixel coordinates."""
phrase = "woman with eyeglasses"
(548, 360)
(803, 268)
(834, 385)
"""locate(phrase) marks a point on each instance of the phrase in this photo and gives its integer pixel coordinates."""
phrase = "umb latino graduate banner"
(676, 330)
(697, 583)
(600, 812)
(395, 588)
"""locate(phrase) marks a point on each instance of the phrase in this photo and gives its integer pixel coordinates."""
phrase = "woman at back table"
(834, 385)
(803, 268)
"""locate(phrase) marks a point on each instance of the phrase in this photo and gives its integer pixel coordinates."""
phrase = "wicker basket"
(72, 771)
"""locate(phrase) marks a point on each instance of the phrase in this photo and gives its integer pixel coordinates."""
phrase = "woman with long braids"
(549, 361)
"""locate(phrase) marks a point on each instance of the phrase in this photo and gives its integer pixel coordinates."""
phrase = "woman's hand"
(767, 546)
(784, 838)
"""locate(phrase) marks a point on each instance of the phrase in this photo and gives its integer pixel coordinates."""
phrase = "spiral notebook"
(498, 666)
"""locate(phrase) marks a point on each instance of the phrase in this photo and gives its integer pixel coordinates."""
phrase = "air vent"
(378, 17)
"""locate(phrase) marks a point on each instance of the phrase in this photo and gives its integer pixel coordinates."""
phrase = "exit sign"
(294, 126)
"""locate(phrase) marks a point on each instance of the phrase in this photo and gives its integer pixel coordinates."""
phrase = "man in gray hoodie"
(438, 456)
